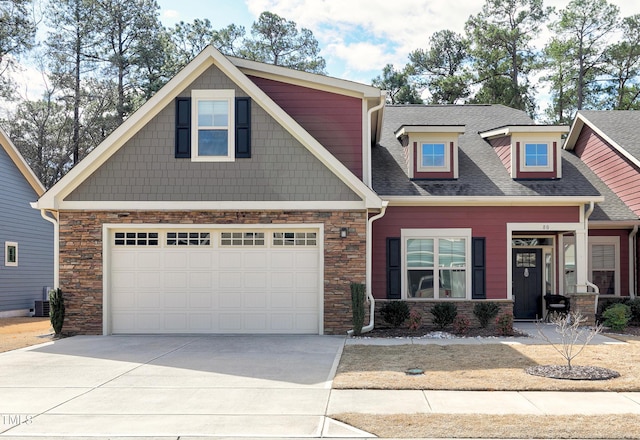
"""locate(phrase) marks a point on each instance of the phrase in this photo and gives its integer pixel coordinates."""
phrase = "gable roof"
(53, 198)
(618, 127)
(20, 163)
(482, 176)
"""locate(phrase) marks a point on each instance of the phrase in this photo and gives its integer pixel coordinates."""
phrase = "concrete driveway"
(170, 386)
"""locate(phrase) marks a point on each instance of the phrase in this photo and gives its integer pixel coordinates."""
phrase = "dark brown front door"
(527, 283)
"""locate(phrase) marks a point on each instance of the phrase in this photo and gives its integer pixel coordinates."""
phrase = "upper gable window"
(431, 152)
(213, 131)
(536, 156)
(434, 157)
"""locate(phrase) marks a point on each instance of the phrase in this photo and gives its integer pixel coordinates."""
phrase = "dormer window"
(431, 152)
(529, 151)
(434, 157)
(536, 157)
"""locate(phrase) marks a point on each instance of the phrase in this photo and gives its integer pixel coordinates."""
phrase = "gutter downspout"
(369, 264)
(633, 269)
(369, 177)
(56, 245)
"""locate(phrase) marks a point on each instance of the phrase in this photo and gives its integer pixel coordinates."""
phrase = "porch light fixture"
(343, 232)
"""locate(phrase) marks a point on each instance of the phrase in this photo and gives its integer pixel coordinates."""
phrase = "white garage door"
(212, 281)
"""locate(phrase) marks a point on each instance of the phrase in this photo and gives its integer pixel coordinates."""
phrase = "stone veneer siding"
(81, 257)
(465, 308)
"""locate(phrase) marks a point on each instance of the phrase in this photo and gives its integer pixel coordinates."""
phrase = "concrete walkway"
(190, 387)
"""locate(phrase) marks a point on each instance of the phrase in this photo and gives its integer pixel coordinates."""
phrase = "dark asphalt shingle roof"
(481, 173)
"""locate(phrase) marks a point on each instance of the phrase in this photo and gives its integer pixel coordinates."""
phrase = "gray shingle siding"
(280, 169)
(21, 285)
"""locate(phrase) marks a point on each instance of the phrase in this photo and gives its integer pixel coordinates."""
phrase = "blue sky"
(357, 37)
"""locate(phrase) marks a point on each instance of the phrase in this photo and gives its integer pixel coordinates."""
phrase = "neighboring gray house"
(26, 239)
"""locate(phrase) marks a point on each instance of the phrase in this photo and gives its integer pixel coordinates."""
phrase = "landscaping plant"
(485, 312)
(56, 310)
(504, 324)
(444, 314)
(617, 316)
(415, 319)
(461, 325)
(357, 307)
(395, 313)
(573, 337)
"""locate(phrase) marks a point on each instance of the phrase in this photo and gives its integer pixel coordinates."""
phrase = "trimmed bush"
(485, 312)
(357, 307)
(444, 314)
(56, 310)
(461, 325)
(634, 304)
(504, 324)
(395, 313)
(415, 319)
(617, 316)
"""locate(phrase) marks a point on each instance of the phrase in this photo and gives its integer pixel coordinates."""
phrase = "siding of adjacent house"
(487, 222)
(280, 167)
(616, 171)
(334, 120)
(21, 285)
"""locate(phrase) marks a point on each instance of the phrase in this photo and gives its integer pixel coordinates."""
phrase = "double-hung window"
(437, 263)
(604, 263)
(212, 129)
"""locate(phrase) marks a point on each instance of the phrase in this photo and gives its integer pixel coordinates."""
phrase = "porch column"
(582, 260)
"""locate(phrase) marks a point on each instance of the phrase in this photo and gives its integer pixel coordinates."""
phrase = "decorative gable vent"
(529, 151)
(431, 152)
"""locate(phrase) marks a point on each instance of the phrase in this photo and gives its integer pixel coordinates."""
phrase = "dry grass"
(22, 332)
(481, 367)
(618, 426)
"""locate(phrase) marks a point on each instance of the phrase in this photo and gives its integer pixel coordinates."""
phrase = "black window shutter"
(478, 280)
(183, 127)
(394, 269)
(243, 127)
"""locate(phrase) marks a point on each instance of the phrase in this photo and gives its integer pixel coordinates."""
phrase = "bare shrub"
(573, 336)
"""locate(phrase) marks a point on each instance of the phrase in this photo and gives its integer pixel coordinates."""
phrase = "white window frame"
(611, 241)
(535, 168)
(436, 234)
(213, 95)
(7, 245)
(446, 167)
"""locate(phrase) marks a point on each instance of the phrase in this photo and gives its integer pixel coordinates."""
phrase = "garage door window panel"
(242, 239)
(188, 239)
(136, 239)
(295, 239)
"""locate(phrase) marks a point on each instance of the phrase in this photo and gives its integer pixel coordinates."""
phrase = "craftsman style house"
(245, 198)
(26, 239)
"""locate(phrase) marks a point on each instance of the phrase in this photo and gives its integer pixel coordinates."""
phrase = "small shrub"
(461, 325)
(56, 310)
(485, 312)
(504, 324)
(415, 319)
(634, 304)
(357, 306)
(617, 316)
(395, 313)
(444, 314)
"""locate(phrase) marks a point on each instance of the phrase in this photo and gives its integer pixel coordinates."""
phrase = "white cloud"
(170, 13)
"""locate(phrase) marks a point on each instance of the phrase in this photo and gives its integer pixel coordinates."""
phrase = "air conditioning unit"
(42, 309)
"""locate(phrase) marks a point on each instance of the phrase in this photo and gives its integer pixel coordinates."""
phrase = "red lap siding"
(334, 120)
(488, 222)
(615, 170)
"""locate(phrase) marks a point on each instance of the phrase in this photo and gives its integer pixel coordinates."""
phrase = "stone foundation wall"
(585, 303)
(81, 256)
(465, 308)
